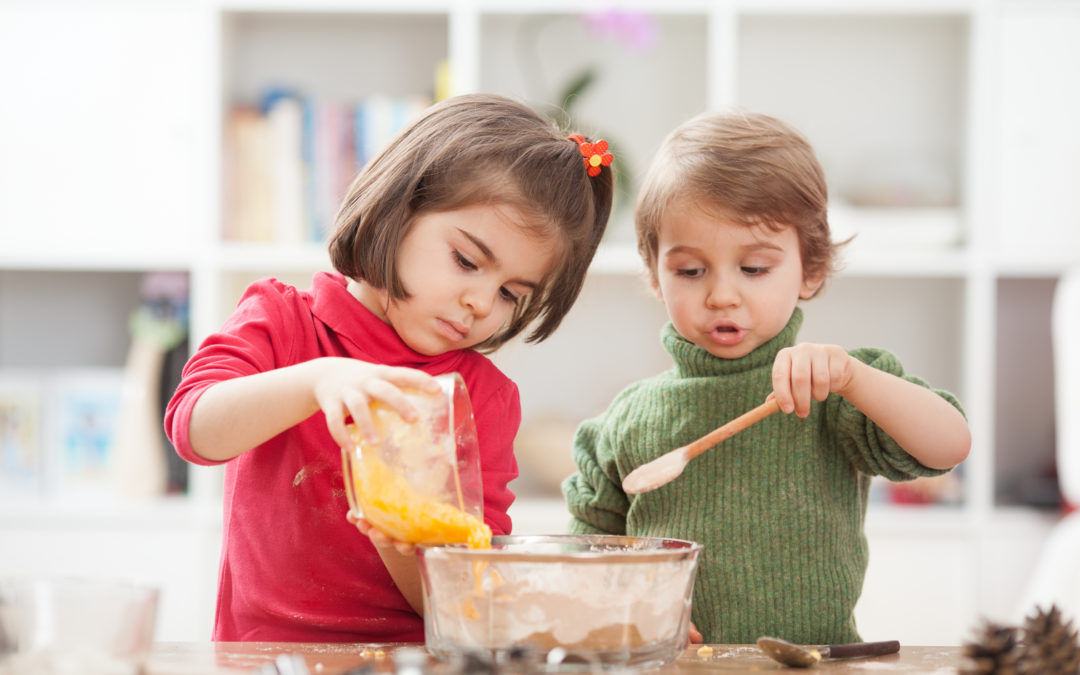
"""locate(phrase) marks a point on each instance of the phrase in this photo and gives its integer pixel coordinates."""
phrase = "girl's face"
(728, 288)
(465, 270)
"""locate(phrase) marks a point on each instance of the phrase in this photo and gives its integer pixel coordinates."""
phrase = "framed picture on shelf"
(82, 415)
(22, 462)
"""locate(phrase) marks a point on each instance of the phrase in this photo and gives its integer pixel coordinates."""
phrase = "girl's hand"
(346, 387)
(810, 371)
(379, 538)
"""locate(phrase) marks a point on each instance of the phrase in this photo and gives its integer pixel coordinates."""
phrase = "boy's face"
(728, 288)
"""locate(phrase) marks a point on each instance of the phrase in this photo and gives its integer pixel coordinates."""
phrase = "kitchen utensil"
(807, 657)
(669, 466)
(603, 599)
(421, 481)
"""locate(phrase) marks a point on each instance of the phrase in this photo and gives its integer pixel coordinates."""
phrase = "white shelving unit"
(945, 127)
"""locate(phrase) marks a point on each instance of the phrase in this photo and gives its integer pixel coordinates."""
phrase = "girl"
(478, 221)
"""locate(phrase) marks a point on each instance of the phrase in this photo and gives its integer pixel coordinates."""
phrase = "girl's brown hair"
(478, 149)
(747, 166)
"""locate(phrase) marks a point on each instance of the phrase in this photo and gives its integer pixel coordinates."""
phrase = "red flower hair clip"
(595, 154)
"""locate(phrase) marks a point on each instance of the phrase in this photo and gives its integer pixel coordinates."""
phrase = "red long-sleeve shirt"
(292, 567)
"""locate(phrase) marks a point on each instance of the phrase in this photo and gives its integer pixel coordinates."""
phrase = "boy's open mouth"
(727, 334)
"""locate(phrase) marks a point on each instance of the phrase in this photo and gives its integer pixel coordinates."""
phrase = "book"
(82, 410)
(247, 177)
(285, 138)
(22, 463)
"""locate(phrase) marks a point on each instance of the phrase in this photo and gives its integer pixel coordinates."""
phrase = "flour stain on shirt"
(300, 476)
(309, 470)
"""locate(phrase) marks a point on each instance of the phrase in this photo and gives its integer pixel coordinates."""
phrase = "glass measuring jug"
(421, 481)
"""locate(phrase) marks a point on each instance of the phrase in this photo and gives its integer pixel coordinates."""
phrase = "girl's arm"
(924, 424)
(399, 557)
(235, 415)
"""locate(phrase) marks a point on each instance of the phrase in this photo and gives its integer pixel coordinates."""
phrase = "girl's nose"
(723, 292)
(479, 299)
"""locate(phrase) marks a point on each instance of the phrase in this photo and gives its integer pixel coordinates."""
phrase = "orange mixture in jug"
(394, 506)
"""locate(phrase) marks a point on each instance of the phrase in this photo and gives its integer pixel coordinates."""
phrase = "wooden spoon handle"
(731, 428)
(862, 649)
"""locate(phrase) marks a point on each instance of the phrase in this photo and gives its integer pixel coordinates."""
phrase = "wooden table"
(233, 658)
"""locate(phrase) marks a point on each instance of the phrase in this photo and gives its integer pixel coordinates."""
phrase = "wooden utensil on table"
(669, 466)
(797, 656)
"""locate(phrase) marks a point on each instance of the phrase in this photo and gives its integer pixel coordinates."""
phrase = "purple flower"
(637, 31)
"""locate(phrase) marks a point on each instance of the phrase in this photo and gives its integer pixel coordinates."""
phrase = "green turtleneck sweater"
(778, 508)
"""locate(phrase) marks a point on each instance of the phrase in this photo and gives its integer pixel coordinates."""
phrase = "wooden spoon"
(669, 466)
(797, 656)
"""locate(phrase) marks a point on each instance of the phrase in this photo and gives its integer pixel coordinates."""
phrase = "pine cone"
(992, 651)
(1049, 645)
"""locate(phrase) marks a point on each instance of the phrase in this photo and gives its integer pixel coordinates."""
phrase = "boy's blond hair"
(746, 166)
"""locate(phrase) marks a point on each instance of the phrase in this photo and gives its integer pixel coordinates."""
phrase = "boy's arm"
(594, 495)
(924, 424)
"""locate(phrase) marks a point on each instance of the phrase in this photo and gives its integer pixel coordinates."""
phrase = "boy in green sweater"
(731, 223)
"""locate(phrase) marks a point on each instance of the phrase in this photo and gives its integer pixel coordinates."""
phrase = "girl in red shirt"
(476, 223)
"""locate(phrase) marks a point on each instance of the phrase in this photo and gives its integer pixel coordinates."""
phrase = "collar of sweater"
(694, 361)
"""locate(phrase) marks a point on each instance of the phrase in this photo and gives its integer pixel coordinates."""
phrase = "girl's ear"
(810, 286)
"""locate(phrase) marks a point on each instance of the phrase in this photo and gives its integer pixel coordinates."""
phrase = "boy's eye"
(464, 262)
(690, 272)
(754, 271)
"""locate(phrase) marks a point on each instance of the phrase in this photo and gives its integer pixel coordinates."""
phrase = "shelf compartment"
(342, 55)
(882, 98)
(1024, 418)
(649, 73)
(920, 320)
(66, 319)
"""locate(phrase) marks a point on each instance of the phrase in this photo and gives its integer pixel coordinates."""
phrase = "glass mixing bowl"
(75, 626)
(605, 600)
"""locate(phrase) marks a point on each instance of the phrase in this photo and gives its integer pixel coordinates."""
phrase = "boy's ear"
(810, 286)
(657, 292)
(654, 286)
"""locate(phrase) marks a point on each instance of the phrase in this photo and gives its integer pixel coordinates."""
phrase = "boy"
(731, 223)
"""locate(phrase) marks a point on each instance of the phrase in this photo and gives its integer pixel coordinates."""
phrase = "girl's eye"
(464, 262)
(509, 295)
(690, 273)
(754, 271)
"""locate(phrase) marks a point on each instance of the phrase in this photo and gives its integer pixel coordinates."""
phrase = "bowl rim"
(596, 548)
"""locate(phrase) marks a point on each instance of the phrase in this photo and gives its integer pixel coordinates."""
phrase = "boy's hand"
(694, 637)
(379, 538)
(810, 371)
(345, 387)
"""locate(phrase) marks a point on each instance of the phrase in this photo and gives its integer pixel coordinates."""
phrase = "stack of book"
(290, 159)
